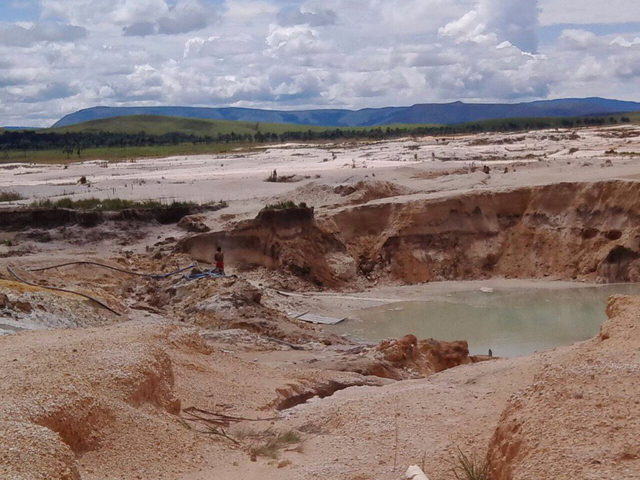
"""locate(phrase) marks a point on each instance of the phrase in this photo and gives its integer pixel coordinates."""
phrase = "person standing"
(219, 258)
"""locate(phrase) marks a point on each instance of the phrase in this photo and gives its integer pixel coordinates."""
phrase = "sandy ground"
(533, 158)
(357, 433)
(357, 428)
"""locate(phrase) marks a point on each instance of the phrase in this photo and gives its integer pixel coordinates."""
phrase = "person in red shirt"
(219, 258)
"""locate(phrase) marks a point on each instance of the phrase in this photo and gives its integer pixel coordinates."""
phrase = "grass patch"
(10, 197)
(470, 467)
(111, 204)
(271, 447)
(268, 443)
(119, 154)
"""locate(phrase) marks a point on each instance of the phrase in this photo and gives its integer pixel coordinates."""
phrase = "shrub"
(470, 468)
(10, 197)
(108, 204)
(270, 443)
(285, 205)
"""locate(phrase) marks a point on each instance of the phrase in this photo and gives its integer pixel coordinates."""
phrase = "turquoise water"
(510, 323)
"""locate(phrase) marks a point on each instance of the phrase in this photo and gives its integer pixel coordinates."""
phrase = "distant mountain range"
(434, 113)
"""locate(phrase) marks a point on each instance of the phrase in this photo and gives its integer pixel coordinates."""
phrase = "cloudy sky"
(57, 56)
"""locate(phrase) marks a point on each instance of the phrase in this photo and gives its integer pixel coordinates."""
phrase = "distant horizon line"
(327, 108)
(273, 109)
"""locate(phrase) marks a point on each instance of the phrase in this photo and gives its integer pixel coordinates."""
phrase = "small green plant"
(470, 468)
(268, 443)
(10, 197)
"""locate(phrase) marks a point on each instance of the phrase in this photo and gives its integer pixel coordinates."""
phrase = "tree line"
(72, 142)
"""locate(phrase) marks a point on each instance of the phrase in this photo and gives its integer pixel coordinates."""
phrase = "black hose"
(103, 305)
(122, 270)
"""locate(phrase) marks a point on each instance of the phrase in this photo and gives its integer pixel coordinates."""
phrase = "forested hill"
(157, 131)
(445, 114)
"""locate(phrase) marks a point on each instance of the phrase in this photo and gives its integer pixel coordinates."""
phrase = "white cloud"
(220, 47)
(371, 53)
(579, 39)
(583, 12)
(91, 13)
(15, 35)
(415, 16)
(134, 17)
(296, 40)
(493, 21)
(184, 17)
(314, 18)
(625, 43)
(248, 10)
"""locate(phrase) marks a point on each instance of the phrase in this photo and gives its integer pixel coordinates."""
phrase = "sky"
(59, 56)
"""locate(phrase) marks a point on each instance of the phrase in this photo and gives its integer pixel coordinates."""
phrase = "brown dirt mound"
(71, 389)
(364, 192)
(401, 359)
(348, 194)
(579, 418)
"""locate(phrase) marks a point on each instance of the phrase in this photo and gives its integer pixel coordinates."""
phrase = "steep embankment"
(579, 417)
(567, 231)
(290, 239)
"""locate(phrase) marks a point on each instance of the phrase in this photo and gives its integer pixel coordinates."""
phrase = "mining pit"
(125, 356)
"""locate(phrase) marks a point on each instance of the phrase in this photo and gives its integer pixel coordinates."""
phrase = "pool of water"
(510, 323)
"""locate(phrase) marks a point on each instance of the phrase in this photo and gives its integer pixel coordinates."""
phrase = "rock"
(4, 301)
(425, 356)
(23, 307)
(193, 223)
(404, 358)
(241, 294)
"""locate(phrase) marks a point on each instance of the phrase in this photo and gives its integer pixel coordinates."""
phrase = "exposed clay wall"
(288, 239)
(568, 231)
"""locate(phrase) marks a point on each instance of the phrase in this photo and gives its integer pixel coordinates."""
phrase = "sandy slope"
(104, 403)
(579, 418)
